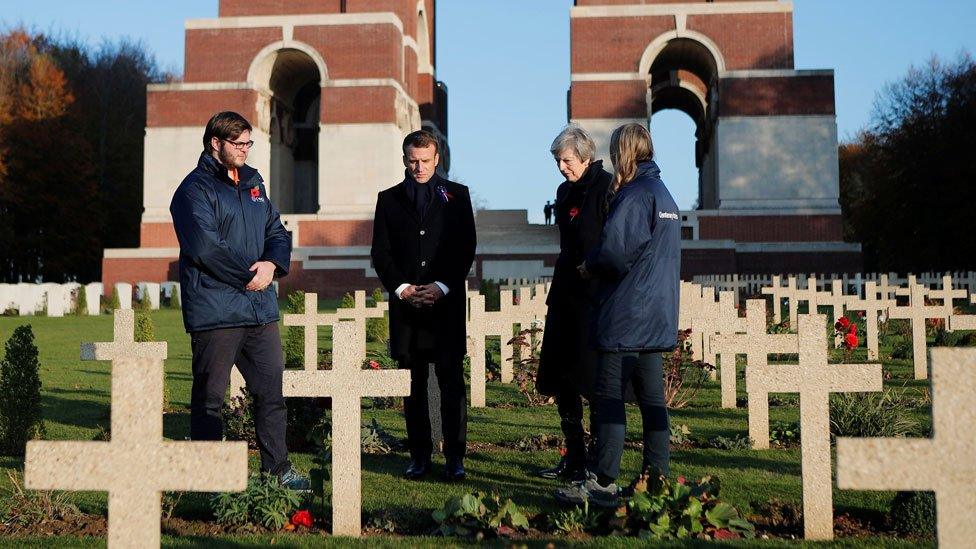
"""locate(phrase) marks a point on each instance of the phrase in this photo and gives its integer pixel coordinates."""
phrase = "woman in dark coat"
(638, 265)
(567, 360)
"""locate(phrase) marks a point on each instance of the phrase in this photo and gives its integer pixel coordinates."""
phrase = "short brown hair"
(421, 139)
(224, 125)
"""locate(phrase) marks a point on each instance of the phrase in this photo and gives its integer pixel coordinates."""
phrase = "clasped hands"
(424, 295)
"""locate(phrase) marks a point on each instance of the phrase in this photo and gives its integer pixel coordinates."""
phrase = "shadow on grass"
(77, 413)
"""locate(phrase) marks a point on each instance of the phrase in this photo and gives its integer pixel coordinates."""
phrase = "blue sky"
(506, 64)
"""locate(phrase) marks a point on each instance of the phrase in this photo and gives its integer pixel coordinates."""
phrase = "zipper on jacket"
(240, 202)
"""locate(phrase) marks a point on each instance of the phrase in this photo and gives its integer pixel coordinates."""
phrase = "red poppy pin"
(573, 212)
(255, 192)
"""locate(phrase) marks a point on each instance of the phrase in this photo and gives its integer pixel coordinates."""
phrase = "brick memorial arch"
(766, 133)
(332, 86)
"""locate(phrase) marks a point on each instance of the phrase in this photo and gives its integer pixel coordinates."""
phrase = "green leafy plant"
(869, 415)
(20, 393)
(663, 509)
(577, 520)
(295, 336)
(783, 434)
(680, 434)
(374, 439)
(478, 516)
(913, 513)
(348, 301)
(378, 329)
(265, 502)
(902, 349)
(112, 303)
(737, 442)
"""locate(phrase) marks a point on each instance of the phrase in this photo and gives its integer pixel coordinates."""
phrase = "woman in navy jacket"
(637, 264)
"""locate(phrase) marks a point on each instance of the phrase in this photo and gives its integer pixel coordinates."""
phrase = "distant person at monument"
(637, 264)
(567, 361)
(547, 211)
(232, 245)
(423, 247)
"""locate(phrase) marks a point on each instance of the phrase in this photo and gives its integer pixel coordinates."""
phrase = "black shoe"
(454, 469)
(417, 469)
(292, 480)
(564, 470)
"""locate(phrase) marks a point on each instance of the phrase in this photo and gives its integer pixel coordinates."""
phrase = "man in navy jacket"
(232, 245)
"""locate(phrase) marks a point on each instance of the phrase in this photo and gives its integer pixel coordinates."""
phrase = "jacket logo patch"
(668, 215)
(256, 195)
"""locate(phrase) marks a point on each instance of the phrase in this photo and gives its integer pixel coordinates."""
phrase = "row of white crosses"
(136, 465)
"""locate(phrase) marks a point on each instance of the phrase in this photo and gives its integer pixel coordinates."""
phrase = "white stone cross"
(814, 379)
(918, 312)
(311, 319)
(780, 292)
(872, 307)
(945, 463)
(500, 323)
(947, 294)
(835, 299)
(359, 312)
(136, 465)
(476, 348)
(346, 384)
(757, 344)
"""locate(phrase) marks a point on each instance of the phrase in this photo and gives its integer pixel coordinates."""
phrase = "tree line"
(72, 121)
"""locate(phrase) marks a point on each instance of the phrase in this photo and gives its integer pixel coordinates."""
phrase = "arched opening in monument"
(683, 76)
(296, 92)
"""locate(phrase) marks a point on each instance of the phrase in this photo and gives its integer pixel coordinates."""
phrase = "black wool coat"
(412, 249)
(567, 360)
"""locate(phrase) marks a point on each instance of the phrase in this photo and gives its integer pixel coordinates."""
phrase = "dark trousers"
(646, 371)
(257, 352)
(454, 405)
(569, 404)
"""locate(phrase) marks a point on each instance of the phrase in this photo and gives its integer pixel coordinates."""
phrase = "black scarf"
(420, 193)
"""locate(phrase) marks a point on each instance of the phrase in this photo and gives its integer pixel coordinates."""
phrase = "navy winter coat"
(224, 229)
(638, 263)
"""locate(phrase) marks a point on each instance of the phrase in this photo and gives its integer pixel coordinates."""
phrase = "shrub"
(913, 513)
(174, 298)
(378, 329)
(663, 509)
(869, 415)
(738, 442)
(295, 336)
(784, 434)
(265, 502)
(20, 393)
(29, 507)
(81, 303)
(680, 434)
(238, 419)
(479, 515)
(145, 328)
(576, 520)
(528, 342)
(902, 348)
(112, 304)
(348, 301)
(491, 290)
(683, 377)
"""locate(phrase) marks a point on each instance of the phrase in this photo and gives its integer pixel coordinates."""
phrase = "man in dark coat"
(423, 247)
(567, 360)
(232, 245)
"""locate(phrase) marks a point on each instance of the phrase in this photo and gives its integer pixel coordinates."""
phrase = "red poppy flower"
(255, 192)
(842, 324)
(302, 518)
(853, 329)
(573, 212)
(681, 479)
(850, 341)
(374, 365)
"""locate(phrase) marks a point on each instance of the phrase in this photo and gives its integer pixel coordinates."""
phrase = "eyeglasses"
(239, 145)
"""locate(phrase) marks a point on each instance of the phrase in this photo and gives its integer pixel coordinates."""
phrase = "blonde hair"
(630, 145)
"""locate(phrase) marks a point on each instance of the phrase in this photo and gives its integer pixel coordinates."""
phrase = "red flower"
(302, 518)
(573, 212)
(842, 324)
(681, 479)
(374, 365)
(853, 329)
(562, 452)
(255, 192)
(850, 341)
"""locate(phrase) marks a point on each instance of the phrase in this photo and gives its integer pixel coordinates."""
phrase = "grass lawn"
(76, 404)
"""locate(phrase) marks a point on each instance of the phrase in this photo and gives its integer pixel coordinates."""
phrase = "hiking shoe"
(589, 490)
(293, 481)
